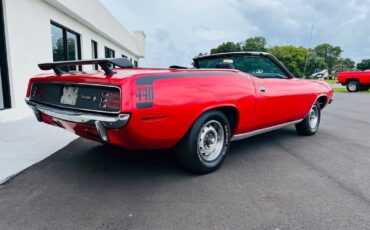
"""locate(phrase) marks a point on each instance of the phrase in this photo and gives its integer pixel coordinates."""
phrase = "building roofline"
(124, 33)
(140, 32)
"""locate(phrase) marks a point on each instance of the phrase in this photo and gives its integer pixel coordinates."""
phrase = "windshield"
(258, 66)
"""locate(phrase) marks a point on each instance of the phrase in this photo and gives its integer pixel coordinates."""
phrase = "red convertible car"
(196, 111)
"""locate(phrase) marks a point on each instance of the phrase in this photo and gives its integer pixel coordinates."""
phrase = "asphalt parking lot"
(277, 180)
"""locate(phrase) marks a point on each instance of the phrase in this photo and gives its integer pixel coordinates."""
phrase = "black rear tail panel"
(96, 98)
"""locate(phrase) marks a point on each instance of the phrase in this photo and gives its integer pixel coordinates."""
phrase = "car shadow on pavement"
(247, 146)
(86, 154)
(87, 161)
(89, 156)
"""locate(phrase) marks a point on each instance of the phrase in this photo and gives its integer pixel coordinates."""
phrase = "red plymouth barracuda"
(355, 81)
(196, 111)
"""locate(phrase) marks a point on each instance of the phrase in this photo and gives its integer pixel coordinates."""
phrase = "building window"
(66, 44)
(94, 52)
(5, 101)
(135, 64)
(109, 53)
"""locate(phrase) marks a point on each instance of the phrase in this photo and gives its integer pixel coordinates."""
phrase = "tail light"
(38, 92)
(110, 100)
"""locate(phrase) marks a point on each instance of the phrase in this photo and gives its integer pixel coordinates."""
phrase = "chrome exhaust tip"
(102, 131)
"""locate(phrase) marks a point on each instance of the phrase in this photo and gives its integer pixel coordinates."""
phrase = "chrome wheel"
(310, 124)
(314, 117)
(352, 86)
(211, 140)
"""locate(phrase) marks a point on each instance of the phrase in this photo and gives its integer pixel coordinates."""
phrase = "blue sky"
(177, 30)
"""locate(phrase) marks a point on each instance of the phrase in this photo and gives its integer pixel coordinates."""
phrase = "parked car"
(321, 75)
(195, 111)
(355, 81)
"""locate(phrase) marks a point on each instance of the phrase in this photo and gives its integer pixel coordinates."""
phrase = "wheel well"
(322, 101)
(351, 79)
(232, 115)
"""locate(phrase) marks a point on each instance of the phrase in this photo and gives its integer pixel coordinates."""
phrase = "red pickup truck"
(355, 81)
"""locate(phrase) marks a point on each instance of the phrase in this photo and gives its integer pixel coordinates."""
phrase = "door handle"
(262, 89)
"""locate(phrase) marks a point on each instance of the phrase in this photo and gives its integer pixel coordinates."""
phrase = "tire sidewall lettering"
(226, 142)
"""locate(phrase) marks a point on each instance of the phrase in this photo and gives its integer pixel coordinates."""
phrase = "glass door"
(4, 79)
(1, 91)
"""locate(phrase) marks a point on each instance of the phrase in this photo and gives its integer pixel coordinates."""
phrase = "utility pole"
(309, 45)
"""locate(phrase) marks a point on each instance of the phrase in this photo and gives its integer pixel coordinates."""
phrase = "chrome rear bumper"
(101, 122)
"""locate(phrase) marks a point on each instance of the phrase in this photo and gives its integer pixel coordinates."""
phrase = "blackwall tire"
(205, 145)
(310, 124)
(353, 86)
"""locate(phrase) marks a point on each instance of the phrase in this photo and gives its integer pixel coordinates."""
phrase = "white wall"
(28, 38)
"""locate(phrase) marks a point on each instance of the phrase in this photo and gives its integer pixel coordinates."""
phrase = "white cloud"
(178, 30)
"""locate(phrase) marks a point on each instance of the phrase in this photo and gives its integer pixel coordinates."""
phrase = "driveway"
(277, 180)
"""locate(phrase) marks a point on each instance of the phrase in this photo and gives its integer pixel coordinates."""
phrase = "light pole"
(308, 54)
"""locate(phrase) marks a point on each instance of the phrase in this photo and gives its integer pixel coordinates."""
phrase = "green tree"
(324, 56)
(255, 44)
(329, 53)
(314, 63)
(347, 62)
(364, 64)
(227, 47)
(292, 57)
(58, 50)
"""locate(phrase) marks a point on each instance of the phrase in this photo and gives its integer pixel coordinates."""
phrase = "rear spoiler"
(103, 63)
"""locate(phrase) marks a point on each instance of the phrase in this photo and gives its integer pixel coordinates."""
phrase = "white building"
(37, 31)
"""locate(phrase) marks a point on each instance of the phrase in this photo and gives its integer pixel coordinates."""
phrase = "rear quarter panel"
(179, 101)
